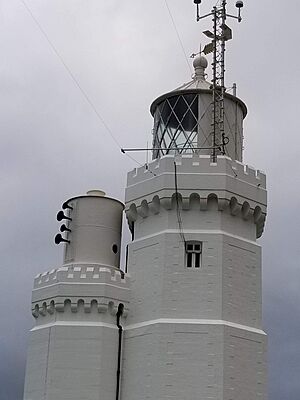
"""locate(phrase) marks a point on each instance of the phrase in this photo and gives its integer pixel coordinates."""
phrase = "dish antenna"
(220, 34)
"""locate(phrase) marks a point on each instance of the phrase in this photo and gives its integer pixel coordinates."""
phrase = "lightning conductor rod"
(220, 35)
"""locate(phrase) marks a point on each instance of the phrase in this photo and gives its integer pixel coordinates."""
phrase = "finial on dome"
(200, 63)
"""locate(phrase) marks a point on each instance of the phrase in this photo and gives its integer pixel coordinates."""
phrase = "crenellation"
(75, 287)
(261, 178)
(251, 171)
(69, 288)
(46, 278)
(80, 274)
(237, 187)
(193, 163)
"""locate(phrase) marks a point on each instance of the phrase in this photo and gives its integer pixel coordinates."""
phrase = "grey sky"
(124, 54)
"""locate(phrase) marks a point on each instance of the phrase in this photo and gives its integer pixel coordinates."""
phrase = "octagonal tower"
(194, 330)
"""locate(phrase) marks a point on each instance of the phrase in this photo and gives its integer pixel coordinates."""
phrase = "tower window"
(193, 252)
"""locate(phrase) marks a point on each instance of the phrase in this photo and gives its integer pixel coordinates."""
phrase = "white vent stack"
(96, 226)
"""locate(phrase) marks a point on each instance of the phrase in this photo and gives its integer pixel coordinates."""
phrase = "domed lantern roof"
(183, 118)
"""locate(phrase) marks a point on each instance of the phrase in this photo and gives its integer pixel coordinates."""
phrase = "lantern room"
(183, 119)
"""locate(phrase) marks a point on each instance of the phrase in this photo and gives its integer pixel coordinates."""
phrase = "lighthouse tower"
(184, 320)
(194, 330)
(74, 349)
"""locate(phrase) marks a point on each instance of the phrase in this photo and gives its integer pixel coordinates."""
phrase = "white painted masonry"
(74, 346)
(195, 333)
(191, 330)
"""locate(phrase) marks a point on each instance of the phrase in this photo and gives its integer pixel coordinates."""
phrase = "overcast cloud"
(124, 54)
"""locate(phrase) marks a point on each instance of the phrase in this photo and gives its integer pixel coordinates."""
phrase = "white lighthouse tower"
(194, 330)
(189, 326)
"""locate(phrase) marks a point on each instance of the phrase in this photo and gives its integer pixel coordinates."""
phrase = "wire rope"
(77, 84)
(178, 36)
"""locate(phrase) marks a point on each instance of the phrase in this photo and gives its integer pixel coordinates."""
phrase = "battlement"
(197, 164)
(239, 189)
(80, 286)
(80, 274)
(196, 176)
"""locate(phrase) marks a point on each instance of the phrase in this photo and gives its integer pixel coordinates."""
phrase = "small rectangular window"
(189, 260)
(193, 252)
(197, 260)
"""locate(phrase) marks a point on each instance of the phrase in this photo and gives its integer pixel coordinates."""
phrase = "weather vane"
(219, 36)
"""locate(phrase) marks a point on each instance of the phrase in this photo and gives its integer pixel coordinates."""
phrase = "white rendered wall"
(73, 348)
(227, 286)
(72, 362)
(73, 351)
(195, 333)
(193, 360)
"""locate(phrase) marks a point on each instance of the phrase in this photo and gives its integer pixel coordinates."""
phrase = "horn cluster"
(61, 216)
(59, 239)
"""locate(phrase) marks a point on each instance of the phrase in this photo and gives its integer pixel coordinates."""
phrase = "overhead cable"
(178, 36)
(75, 81)
(71, 74)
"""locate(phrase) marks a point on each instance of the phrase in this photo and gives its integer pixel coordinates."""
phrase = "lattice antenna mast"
(220, 35)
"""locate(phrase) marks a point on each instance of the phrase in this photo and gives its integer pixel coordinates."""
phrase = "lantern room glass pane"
(176, 125)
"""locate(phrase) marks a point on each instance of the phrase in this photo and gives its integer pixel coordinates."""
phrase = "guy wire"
(178, 36)
(77, 84)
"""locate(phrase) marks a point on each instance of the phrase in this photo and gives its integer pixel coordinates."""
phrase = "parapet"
(238, 188)
(81, 274)
(197, 164)
(79, 284)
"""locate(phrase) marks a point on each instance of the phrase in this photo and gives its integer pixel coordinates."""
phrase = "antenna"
(220, 35)
(198, 2)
